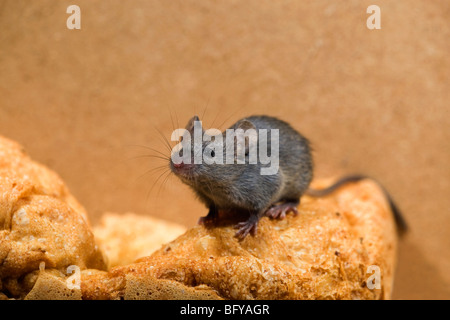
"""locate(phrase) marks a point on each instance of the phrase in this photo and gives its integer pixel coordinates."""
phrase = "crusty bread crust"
(126, 237)
(41, 223)
(330, 250)
(323, 253)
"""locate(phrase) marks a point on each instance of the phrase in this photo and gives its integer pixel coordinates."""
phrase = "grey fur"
(241, 187)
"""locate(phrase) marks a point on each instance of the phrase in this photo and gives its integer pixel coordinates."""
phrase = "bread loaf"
(338, 247)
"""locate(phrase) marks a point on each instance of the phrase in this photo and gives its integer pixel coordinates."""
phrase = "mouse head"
(205, 156)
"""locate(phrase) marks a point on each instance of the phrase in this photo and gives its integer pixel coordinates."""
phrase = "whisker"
(165, 141)
(206, 107)
(149, 156)
(154, 184)
(149, 148)
(163, 183)
(155, 169)
(220, 126)
(171, 119)
(178, 126)
(217, 115)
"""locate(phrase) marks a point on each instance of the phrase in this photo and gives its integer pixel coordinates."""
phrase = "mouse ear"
(190, 124)
(251, 137)
(245, 124)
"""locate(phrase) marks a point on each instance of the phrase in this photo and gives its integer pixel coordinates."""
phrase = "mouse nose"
(178, 165)
(181, 167)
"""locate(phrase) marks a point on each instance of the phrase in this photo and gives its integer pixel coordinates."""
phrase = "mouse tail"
(342, 181)
(402, 226)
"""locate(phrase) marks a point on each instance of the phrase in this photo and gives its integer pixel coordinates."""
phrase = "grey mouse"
(240, 188)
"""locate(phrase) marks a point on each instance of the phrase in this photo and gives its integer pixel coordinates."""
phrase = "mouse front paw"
(246, 227)
(206, 220)
(210, 218)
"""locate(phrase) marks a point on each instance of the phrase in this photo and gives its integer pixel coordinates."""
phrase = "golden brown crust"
(40, 221)
(323, 253)
(127, 237)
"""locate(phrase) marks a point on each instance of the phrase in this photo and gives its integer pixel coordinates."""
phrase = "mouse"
(239, 184)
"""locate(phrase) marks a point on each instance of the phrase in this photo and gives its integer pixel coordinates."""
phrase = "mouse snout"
(178, 165)
(181, 168)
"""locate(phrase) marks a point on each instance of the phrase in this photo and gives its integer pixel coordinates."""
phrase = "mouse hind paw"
(279, 211)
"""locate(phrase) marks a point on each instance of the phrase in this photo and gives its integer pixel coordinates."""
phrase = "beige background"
(371, 101)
